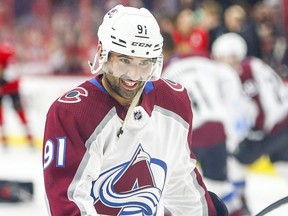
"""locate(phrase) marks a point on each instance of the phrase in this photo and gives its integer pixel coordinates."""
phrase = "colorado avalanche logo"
(74, 96)
(131, 188)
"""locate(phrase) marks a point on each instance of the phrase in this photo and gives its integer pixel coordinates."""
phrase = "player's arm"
(186, 192)
(251, 89)
(66, 167)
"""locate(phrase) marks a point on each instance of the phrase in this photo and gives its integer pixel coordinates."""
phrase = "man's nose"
(134, 73)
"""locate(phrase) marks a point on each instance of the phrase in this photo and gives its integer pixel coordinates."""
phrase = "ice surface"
(25, 164)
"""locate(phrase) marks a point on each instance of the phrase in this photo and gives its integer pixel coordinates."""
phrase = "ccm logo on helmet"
(141, 44)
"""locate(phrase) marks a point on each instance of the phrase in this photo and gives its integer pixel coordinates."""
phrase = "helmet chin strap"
(133, 104)
(92, 65)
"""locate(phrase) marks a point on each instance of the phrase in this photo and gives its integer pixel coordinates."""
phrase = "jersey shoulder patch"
(173, 85)
(74, 96)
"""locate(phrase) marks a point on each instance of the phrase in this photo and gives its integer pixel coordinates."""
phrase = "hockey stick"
(273, 206)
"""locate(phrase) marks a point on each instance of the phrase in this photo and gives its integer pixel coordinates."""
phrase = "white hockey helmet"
(132, 32)
(229, 45)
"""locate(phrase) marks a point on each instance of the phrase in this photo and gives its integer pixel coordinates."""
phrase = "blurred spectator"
(183, 31)
(208, 17)
(271, 31)
(190, 36)
(235, 19)
(65, 55)
(227, 3)
(166, 22)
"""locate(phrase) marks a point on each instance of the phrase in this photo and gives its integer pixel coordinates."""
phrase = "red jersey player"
(10, 89)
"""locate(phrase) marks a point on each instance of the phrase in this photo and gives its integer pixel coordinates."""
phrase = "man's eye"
(145, 63)
(124, 60)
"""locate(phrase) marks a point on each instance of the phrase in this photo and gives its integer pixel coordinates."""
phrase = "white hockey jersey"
(216, 95)
(89, 170)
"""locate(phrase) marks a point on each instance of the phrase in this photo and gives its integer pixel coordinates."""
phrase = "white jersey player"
(120, 143)
(268, 136)
(216, 97)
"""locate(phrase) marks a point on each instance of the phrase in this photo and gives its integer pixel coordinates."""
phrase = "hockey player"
(119, 144)
(216, 97)
(268, 136)
(10, 89)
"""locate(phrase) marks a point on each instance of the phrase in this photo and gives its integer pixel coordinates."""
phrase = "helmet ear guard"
(132, 32)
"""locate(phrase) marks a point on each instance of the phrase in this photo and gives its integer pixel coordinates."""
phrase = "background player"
(218, 105)
(10, 89)
(268, 135)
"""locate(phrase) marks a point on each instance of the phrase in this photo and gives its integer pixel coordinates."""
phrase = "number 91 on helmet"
(131, 45)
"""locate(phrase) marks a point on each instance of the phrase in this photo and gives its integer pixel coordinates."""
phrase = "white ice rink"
(25, 164)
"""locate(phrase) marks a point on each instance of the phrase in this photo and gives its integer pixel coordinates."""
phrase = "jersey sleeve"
(186, 192)
(67, 184)
(267, 90)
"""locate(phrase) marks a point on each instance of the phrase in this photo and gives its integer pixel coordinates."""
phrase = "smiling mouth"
(129, 84)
